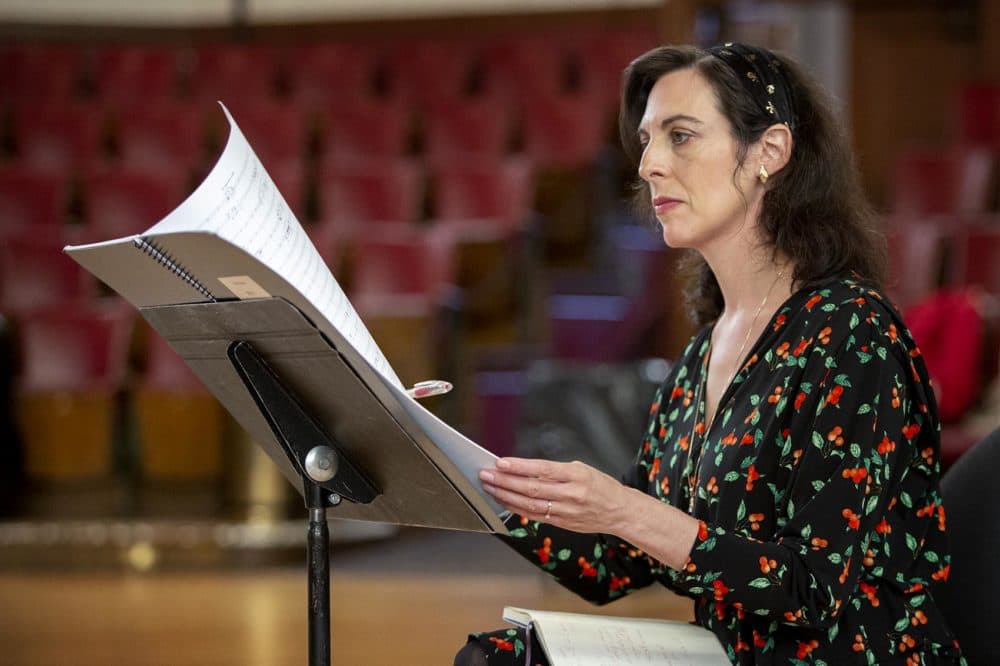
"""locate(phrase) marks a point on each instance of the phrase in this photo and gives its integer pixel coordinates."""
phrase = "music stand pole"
(327, 477)
(318, 562)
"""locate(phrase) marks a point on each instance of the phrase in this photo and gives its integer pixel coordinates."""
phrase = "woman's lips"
(662, 204)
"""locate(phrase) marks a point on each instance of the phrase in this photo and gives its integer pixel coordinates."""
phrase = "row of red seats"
(553, 131)
(389, 258)
(113, 203)
(420, 69)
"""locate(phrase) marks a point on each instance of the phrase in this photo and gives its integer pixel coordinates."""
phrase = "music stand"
(320, 422)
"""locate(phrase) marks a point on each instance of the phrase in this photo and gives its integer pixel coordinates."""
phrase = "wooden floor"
(259, 618)
(407, 597)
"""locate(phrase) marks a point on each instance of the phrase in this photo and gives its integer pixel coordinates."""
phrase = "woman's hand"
(573, 495)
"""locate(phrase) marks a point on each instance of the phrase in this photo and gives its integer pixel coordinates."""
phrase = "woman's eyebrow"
(679, 116)
(672, 119)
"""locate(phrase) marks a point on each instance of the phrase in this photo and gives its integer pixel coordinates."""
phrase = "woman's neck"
(748, 279)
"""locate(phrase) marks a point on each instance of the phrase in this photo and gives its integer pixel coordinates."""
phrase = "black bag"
(592, 412)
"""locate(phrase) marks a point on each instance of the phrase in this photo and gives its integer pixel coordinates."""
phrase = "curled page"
(239, 202)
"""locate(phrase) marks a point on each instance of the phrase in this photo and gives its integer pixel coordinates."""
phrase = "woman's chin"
(672, 238)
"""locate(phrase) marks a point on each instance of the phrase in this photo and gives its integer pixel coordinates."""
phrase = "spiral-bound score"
(161, 257)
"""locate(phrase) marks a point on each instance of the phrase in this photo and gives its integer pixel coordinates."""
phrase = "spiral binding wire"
(172, 265)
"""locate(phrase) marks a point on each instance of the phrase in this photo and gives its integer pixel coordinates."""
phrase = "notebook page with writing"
(579, 639)
(239, 202)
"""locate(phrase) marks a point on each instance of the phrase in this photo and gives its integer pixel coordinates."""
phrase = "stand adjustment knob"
(321, 463)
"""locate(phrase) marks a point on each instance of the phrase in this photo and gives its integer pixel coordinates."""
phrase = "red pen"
(428, 388)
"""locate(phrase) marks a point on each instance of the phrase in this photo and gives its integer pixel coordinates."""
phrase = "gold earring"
(762, 174)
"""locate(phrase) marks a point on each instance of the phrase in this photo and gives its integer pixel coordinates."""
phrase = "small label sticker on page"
(243, 287)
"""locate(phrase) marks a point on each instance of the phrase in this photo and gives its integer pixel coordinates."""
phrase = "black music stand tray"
(320, 421)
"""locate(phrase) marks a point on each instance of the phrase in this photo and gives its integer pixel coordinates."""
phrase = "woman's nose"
(651, 163)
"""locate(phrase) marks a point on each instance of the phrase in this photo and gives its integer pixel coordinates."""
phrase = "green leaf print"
(864, 409)
(911, 542)
(760, 583)
(564, 554)
(519, 533)
(864, 357)
(855, 320)
(731, 476)
(903, 623)
(842, 380)
(818, 485)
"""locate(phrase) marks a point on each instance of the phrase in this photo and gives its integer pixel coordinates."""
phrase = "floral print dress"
(822, 531)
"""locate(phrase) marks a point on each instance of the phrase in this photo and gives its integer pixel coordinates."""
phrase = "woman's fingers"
(528, 486)
(543, 469)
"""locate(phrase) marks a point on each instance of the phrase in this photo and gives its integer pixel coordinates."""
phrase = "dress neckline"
(747, 362)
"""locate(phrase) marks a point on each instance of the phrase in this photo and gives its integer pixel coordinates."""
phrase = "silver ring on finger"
(548, 510)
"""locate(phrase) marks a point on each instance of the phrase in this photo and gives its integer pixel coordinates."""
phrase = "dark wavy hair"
(814, 210)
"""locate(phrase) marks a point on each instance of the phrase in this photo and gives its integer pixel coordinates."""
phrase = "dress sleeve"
(851, 445)
(598, 567)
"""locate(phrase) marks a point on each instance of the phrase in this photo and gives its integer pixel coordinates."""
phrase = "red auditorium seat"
(400, 260)
(430, 71)
(235, 72)
(376, 191)
(951, 181)
(121, 202)
(530, 65)
(35, 273)
(30, 199)
(164, 138)
(486, 189)
(400, 276)
(42, 73)
(917, 249)
(59, 140)
(459, 129)
(72, 364)
(977, 256)
(277, 130)
(979, 115)
(362, 128)
(564, 131)
(140, 75)
(328, 71)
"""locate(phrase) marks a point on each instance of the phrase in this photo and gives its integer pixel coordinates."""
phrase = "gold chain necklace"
(696, 472)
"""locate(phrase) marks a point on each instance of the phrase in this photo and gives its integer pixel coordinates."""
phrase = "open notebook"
(575, 639)
(235, 238)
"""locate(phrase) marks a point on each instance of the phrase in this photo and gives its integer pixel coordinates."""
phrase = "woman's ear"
(775, 147)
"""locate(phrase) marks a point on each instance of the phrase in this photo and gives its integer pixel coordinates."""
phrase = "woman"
(788, 481)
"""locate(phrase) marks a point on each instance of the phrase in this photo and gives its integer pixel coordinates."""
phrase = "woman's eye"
(679, 137)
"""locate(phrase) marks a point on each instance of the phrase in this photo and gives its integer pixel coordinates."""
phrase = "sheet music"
(594, 640)
(465, 454)
(239, 202)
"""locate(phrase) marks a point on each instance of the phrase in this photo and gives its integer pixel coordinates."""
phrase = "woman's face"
(688, 162)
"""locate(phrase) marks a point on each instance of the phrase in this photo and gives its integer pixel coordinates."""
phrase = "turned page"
(238, 202)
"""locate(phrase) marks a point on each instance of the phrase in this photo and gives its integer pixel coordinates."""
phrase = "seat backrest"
(75, 348)
(970, 599)
(35, 273)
